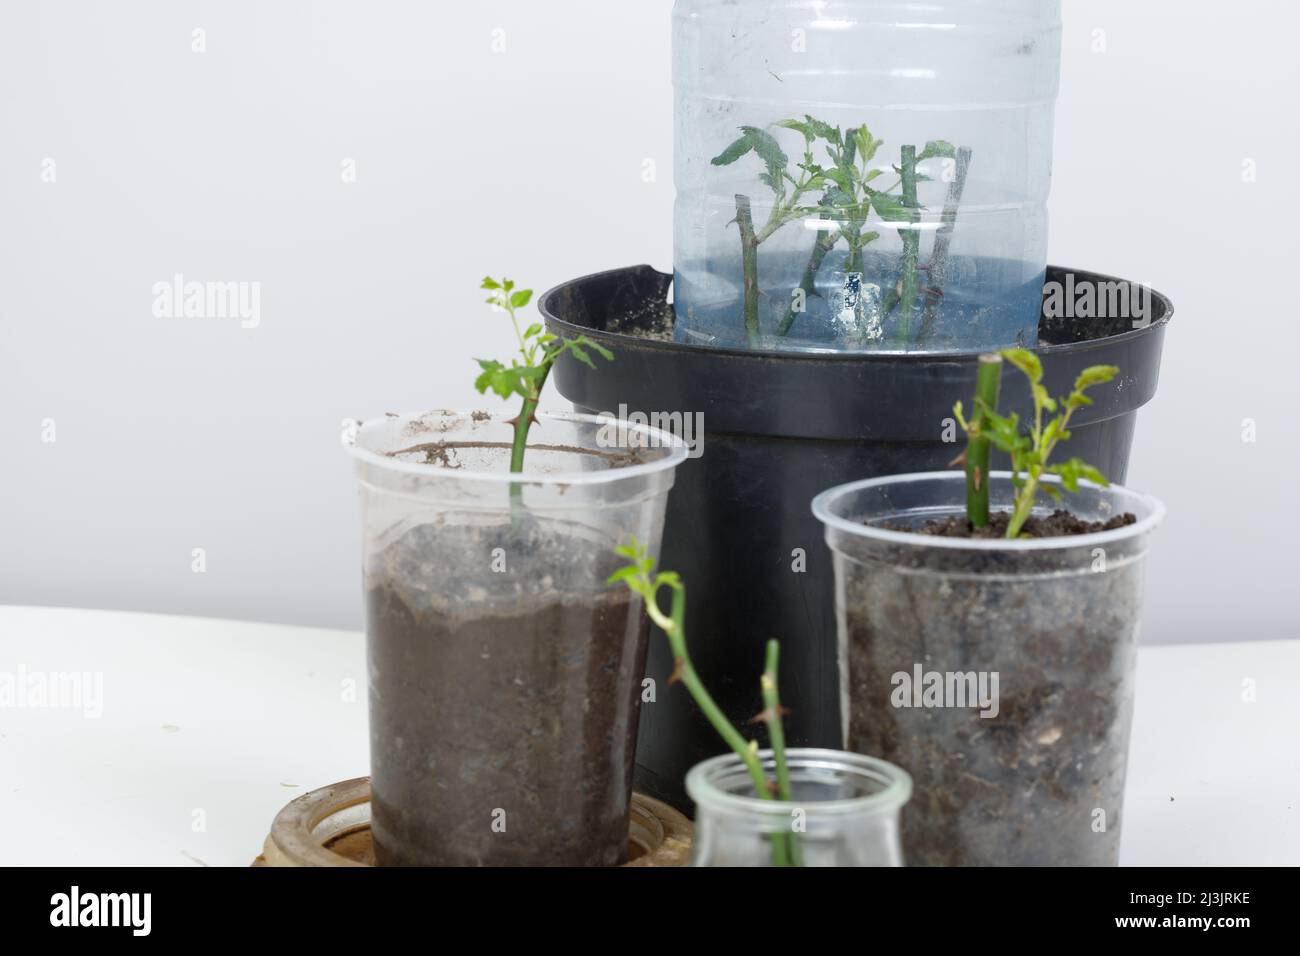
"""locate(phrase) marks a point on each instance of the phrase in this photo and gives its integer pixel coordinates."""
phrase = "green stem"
(773, 717)
(911, 245)
(942, 240)
(784, 211)
(988, 383)
(674, 628)
(1024, 507)
(824, 244)
(1027, 494)
(522, 423)
(855, 258)
(519, 335)
(749, 265)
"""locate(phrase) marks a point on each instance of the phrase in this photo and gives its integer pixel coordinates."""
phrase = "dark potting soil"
(1040, 782)
(503, 704)
(650, 319)
(1058, 524)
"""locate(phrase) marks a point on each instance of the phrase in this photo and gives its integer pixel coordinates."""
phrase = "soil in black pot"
(503, 704)
(1041, 781)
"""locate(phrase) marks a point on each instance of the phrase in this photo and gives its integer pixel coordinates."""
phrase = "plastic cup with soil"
(999, 673)
(504, 673)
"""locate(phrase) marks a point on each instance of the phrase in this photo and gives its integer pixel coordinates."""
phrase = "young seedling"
(848, 201)
(641, 578)
(539, 350)
(1031, 453)
(788, 192)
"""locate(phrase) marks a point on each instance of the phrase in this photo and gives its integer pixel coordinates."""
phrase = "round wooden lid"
(331, 827)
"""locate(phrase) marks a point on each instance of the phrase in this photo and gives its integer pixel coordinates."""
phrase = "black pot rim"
(899, 397)
(1165, 307)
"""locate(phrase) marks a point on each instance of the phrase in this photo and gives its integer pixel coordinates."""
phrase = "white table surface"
(209, 727)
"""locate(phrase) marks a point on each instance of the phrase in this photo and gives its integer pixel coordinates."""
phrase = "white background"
(176, 434)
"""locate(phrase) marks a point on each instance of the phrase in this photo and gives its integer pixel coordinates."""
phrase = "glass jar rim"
(896, 783)
(823, 510)
(677, 452)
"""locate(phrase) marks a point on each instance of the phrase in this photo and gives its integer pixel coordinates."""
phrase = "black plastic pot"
(778, 429)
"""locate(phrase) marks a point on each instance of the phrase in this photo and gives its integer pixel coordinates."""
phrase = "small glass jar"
(844, 811)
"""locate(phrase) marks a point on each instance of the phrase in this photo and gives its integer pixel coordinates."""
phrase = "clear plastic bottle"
(862, 174)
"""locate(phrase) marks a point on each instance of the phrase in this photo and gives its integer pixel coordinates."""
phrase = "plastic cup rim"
(821, 508)
(677, 448)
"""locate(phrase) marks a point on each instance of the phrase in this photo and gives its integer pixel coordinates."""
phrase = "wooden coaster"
(331, 827)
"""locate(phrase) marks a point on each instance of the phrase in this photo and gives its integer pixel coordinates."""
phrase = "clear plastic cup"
(958, 255)
(998, 673)
(504, 674)
(843, 812)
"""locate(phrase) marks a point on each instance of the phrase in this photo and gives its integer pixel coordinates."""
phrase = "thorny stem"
(539, 352)
(911, 245)
(939, 257)
(527, 413)
(749, 265)
(785, 210)
(824, 244)
(988, 383)
(674, 628)
(772, 716)
(522, 423)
